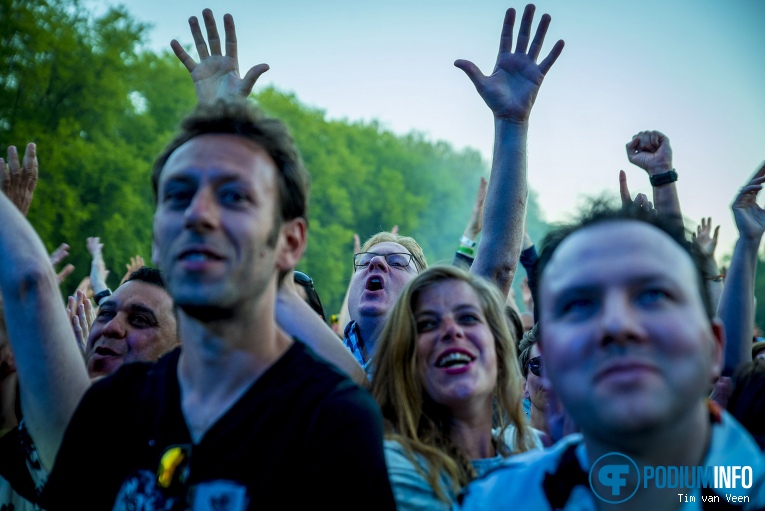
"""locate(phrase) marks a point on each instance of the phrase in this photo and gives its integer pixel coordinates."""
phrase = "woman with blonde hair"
(448, 383)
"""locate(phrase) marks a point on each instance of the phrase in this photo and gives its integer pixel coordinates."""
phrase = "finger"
(63, 274)
(29, 170)
(760, 172)
(624, 191)
(472, 71)
(199, 39)
(645, 141)
(394, 230)
(753, 189)
(632, 145)
(714, 237)
(5, 176)
(506, 38)
(212, 32)
(184, 57)
(356, 244)
(655, 139)
(71, 305)
(539, 37)
(641, 200)
(248, 82)
(524, 33)
(59, 254)
(13, 162)
(140, 261)
(650, 204)
(548, 62)
(230, 30)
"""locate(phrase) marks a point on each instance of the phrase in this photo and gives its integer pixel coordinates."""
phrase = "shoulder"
(517, 477)
(407, 478)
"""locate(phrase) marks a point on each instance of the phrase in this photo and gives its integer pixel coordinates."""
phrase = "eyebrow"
(459, 308)
(132, 308)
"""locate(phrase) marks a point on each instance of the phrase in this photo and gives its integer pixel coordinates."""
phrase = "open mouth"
(374, 284)
(106, 352)
(454, 359)
(199, 255)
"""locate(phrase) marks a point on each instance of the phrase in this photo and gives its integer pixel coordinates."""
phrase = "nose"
(115, 328)
(202, 212)
(619, 322)
(379, 262)
(451, 329)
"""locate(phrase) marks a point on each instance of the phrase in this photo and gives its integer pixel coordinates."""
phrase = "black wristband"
(664, 179)
(100, 296)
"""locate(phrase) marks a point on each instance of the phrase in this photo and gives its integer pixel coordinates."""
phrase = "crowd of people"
(217, 382)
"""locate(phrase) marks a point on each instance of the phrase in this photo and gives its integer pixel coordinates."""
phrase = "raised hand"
(650, 150)
(81, 314)
(98, 271)
(704, 239)
(58, 255)
(510, 90)
(749, 217)
(134, 265)
(19, 181)
(641, 200)
(216, 75)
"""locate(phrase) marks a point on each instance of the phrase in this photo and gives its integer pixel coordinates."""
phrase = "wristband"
(467, 242)
(466, 251)
(664, 179)
(101, 295)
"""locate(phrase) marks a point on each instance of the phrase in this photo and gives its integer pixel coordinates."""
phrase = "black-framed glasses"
(535, 366)
(400, 260)
(302, 278)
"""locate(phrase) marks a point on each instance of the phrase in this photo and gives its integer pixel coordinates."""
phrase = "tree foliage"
(100, 107)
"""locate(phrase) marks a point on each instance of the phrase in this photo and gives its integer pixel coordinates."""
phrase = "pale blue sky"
(693, 69)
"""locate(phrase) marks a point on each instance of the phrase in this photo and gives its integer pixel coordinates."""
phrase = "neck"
(682, 442)
(370, 328)
(471, 431)
(537, 419)
(224, 352)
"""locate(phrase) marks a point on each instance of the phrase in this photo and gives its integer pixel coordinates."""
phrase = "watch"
(101, 295)
(664, 178)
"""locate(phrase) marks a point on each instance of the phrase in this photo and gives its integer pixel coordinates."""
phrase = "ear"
(718, 348)
(292, 243)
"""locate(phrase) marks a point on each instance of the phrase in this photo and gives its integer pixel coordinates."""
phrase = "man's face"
(624, 336)
(134, 324)
(215, 228)
(375, 288)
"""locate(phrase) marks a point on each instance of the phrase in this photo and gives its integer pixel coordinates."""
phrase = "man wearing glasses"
(383, 267)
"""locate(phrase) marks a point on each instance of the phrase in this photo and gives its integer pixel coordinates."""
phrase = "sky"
(692, 69)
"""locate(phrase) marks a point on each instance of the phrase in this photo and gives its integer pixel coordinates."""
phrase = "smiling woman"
(448, 386)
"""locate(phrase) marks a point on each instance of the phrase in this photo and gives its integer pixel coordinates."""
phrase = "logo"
(614, 478)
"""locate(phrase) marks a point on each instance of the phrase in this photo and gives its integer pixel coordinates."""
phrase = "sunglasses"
(535, 366)
(303, 279)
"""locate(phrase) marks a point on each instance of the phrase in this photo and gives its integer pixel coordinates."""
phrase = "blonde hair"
(405, 241)
(411, 417)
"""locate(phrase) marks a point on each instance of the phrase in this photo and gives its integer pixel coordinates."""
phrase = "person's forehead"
(139, 293)
(612, 251)
(534, 351)
(446, 293)
(221, 153)
(388, 247)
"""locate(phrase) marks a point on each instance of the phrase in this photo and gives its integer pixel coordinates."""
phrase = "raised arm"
(707, 243)
(50, 368)
(298, 319)
(509, 91)
(736, 309)
(650, 150)
(216, 75)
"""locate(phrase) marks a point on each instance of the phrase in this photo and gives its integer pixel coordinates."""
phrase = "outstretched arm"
(510, 91)
(51, 370)
(216, 75)
(736, 309)
(707, 243)
(650, 150)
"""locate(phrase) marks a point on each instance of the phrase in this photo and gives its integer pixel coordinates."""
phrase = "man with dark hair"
(631, 347)
(226, 417)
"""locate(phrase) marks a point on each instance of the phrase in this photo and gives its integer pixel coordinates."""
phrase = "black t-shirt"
(302, 436)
